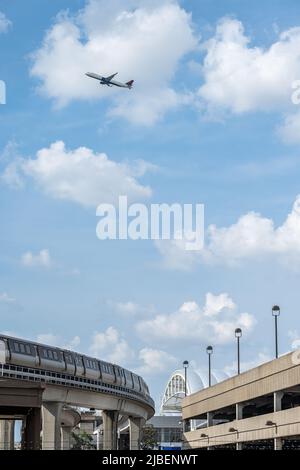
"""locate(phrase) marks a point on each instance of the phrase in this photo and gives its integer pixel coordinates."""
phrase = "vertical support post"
(7, 434)
(32, 430)
(66, 437)
(135, 427)
(51, 435)
(110, 426)
(276, 337)
(278, 396)
(239, 407)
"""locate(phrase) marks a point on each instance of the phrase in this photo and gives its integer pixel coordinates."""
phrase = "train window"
(55, 355)
(69, 359)
(27, 348)
(16, 347)
(78, 360)
(22, 348)
(50, 355)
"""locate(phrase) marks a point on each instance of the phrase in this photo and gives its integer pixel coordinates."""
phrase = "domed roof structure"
(175, 389)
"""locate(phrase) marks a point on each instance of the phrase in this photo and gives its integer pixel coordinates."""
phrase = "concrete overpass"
(259, 408)
(43, 402)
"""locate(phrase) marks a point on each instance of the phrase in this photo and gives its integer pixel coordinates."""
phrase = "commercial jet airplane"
(109, 80)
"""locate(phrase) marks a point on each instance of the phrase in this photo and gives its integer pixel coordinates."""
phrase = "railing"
(56, 378)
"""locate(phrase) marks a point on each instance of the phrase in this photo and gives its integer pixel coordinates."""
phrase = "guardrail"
(56, 378)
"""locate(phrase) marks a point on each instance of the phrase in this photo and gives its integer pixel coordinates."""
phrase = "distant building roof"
(165, 422)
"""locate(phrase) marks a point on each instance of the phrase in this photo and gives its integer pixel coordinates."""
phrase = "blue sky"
(211, 114)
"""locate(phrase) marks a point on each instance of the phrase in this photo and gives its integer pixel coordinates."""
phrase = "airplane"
(109, 80)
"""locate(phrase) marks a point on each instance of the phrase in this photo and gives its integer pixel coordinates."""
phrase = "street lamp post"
(209, 351)
(185, 366)
(276, 313)
(238, 335)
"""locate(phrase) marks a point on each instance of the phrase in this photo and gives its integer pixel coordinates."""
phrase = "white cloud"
(55, 340)
(4, 297)
(252, 236)
(290, 129)
(125, 308)
(40, 260)
(111, 346)
(143, 40)
(295, 339)
(79, 175)
(155, 361)
(241, 78)
(216, 320)
(5, 23)
(247, 365)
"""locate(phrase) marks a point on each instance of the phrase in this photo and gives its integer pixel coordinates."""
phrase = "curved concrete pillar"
(110, 429)
(69, 419)
(51, 424)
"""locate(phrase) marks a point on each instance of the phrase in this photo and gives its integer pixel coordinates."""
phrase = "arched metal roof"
(175, 388)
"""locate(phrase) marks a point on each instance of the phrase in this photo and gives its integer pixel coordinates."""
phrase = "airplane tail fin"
(130, 83)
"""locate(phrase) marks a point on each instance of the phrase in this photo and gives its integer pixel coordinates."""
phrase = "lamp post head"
(238, 333)
(209, 349)
(275, 311)
(270, 423)
(185, 364)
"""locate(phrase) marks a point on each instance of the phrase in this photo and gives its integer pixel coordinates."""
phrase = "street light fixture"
(185, 366)
(209, 351)
(238, 334)
(270, 423)
(276, 313)
(232, 430)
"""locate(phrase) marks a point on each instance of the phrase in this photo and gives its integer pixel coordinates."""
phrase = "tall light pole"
(209, 351)
(238, 334)
(276, 313)
(185, 366)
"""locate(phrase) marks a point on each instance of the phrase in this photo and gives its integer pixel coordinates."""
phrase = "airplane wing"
(94, 75)
(111, 76)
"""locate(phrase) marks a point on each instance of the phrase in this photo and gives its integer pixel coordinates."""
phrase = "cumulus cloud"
(261, 358)
(216, 319)
(294, 336)
(56, 340)
(111, 346)
(5, 298)
(5, 23)
(241, 78)
(81, 175)
(39, 260)
(289, 131)
(143, 40)
(125, 308)
(251, 237)
(155, 361)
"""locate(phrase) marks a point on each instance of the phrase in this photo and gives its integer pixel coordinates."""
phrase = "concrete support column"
(239, 407)
(7, 434)
(31, 430)
(110, 427)
(135, 428)
(66, 432)
(278, 443)
(278, 396)
(210, 417)
(51, 426)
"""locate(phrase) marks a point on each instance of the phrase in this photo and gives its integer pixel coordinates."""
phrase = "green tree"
(82, 441)
(149, 438)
